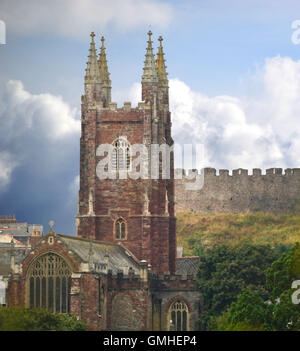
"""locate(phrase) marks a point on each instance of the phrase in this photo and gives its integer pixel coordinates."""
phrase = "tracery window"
(120, 229)
(49, 283)
(121, 155)
(179, 316)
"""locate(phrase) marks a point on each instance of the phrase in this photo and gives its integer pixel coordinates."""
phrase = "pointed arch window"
(121, 160)
(120, 229)
(179, 316)
(49, 283)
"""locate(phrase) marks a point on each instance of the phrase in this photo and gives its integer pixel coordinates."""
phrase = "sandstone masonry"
(275, 191)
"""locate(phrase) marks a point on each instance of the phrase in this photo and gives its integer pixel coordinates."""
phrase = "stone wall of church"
(85, 300)
(127, 303)
(142, 203)
(167, 289)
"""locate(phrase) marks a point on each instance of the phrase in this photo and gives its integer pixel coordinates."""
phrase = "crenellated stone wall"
(274, 191)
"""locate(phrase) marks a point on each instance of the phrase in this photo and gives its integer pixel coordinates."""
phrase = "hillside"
(195, 229)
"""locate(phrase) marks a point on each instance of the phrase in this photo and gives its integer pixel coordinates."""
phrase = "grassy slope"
(233, 229)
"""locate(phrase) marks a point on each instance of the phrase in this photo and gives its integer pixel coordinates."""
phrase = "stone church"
(121, 271)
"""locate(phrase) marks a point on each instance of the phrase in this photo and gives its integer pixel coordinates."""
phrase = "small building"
(17, 238)
(21, 233)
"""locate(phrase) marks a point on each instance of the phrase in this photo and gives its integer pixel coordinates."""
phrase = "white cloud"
(7, 165)
(75, 18)
(261, 130)
(256, 131)
(34, 127)
(220, 123)
(44, 113)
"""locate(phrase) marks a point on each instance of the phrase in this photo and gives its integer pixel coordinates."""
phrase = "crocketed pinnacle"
(160, 65)
(150, 73)
(92, 70)
(103, 64)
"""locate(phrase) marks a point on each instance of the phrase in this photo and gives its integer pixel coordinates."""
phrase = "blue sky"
(234, 82)
(211, 45)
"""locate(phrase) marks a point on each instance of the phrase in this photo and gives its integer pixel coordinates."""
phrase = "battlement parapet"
(152, 275)
(124, 274)
(274, 190)
(208, 171)
(240, 172)
(113, 106)
(272, 171)
(257, 172)
(224, 172)
(173, 277)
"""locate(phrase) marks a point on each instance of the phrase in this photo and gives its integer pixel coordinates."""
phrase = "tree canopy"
(276, 313)
(23, 319)
(224, 272)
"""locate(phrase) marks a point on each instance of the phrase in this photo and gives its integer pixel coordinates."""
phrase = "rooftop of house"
(10, 226)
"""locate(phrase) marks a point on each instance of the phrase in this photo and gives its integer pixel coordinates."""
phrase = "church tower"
(138, 213)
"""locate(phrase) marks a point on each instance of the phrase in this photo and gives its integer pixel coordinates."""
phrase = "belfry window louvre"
(121, 160)
(179, 315)
(120, 229)
(49, 283)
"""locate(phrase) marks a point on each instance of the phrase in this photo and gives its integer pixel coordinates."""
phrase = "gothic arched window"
(49, 283)
(120, 229)
(121, 155)
(179, 316)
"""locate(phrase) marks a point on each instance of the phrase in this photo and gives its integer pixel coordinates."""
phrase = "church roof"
(187, 265)
(119, 258)
(99, 252)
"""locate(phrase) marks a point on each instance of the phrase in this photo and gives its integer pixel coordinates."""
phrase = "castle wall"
(276, 191)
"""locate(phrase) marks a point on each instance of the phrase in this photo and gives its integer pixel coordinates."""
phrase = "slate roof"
(187, 265)
(119, 257)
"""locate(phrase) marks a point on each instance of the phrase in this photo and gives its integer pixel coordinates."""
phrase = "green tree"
(251, 312)
(248, 313)
(280, 277)
(278, 313)
(22, 319)
(283, 272)
(225, 271)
